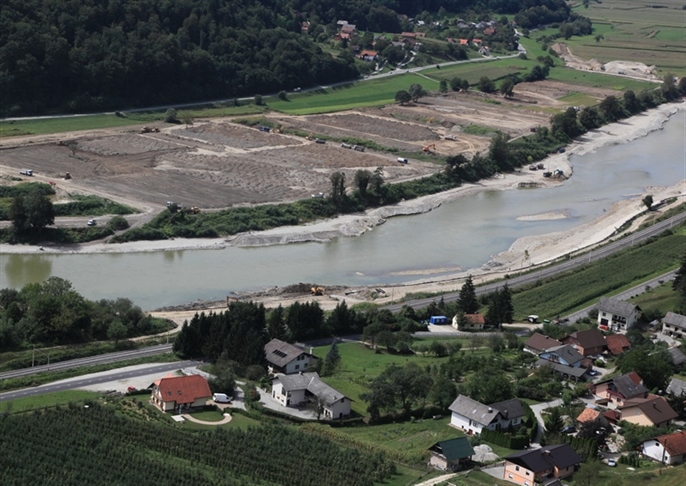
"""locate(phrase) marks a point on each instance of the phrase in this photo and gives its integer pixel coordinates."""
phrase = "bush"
(118, 223)
(283, 95)
(171, 116)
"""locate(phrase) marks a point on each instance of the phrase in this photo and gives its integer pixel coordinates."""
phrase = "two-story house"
(617, 315)
(303, 388)
(565, 361)
(286, 358)
(538, 343)
(180, 393)
(620, 389)
(538, 465)
(588, 343)
(674, 325)
(653, 411)
(472, 417)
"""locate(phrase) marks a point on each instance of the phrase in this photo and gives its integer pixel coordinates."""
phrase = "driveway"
(537, 409)
(268, 402)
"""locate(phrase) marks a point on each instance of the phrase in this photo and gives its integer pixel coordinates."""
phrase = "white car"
(611, 462)
(92, 222)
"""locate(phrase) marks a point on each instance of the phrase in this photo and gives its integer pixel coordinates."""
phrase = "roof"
(473, 410)
(560, 368)
(510, 409)
(313, 384)
(539, 460)
(677, 387)
(475, 318)
(613, 416)
(591, 338)
(674, 443)
(183, 389)
(655, 408)
(453, 449)
(617, 343)
(280, 353)
(567, 352)
(369, 53)
(588, 415)
(674, 319)
(541, 342)
(616, 307)
(628, 387)
(677, 356)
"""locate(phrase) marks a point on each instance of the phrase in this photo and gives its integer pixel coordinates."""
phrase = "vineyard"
(97, 445)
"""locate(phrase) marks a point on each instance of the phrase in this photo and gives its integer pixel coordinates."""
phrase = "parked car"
(570, 429)
(92, 222)
(611, 462)
(131, 389)
(594, 372)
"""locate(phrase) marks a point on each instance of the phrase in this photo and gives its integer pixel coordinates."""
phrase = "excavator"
(428, 149)
(318, 290)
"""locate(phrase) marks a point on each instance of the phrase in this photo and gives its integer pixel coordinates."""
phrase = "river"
(462, 234)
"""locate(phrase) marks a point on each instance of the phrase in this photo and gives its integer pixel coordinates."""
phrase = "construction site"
(219, 163)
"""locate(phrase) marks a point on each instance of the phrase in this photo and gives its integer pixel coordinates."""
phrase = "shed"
(437, 320)
(450, 454)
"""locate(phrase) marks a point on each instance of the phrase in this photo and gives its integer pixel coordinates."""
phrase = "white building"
(617, 315)
(674, 325)
(668, 449)
(472, 417)
(286, 358)
(303, 388)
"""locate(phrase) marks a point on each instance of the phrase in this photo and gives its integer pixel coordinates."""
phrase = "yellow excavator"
(318, 290)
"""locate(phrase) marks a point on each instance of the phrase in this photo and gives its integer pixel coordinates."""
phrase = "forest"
(102, 445)
(89, 55)
(52, 313)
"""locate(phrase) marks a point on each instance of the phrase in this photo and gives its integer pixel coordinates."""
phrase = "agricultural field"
(653, 34)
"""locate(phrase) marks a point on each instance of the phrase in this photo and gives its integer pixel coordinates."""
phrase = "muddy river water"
(461, 234)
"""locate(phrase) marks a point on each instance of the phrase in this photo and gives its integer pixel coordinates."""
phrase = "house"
(620, 389)
(471, 416)
(368, 55)
(588, 343)
(180, 393)
(653, 411)
(489, 31)
(617, 315)
(348, 29)
(674, 325)
(477, 42)
(565, 371)
(668, 449)
(303, 388)
(537, 465)
(678, 358)
(565, 355)
(305, 26)
(590, 415)
(451, 454)
(617, 344)
(472, 322)
(539, 343)
(612, 416)
(286, 358)
(677, 387)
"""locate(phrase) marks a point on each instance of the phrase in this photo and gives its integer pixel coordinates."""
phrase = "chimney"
(311, 350)
(490, 409)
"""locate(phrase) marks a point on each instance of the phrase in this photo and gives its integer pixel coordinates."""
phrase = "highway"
(104, 377)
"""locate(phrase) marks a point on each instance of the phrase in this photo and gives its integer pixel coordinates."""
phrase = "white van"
(221, 398)
(402, 160)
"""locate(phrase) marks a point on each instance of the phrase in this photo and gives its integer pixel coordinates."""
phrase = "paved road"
(90, 361)
(565, 266)
(92, 379)
(537, 409)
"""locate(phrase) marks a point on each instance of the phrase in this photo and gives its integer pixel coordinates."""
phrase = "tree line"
(52, 312)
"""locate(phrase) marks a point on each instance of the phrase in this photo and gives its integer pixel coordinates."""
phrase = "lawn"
(238, 420)
(359, 365)
(662, 299)
(597, 80)
(47, 400)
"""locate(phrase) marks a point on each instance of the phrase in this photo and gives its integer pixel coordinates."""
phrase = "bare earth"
(217, 163)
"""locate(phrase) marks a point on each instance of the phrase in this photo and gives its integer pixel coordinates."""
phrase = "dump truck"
(317, 290)
(26, 172)
(346, 145)
(359, 148)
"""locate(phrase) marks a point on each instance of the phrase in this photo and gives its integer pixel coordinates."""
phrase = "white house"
(300, 389)
(286, 358)
(471, 416)
(617, 315)
(668, 449)
(674, 325)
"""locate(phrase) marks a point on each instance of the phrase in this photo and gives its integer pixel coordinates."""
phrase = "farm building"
(450, 454)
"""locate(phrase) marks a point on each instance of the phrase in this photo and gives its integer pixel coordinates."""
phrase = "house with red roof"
(668, 449)
(180, 393)
(617, 344)
(367, 55)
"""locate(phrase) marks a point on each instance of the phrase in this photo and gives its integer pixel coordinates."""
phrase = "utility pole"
(33, 356)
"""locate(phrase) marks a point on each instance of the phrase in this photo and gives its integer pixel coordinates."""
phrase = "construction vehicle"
(346, 145)
(318, 290)
(262, 128)
(402, 160)
(430, 149)
(451, 137)
(150, 130)
(67, 176)
(309, 137)
(194, 210)
(319, 140)
(26, 172)
(359, 148)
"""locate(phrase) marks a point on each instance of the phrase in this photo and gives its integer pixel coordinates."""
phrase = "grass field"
(369, 93)
(359, 365)
(92, 122)
(660, 298)
(47, 400)
(597, 80)
(238, 421)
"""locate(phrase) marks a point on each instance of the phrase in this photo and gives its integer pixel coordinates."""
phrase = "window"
(516, 468)
(527, 473)
(297, 366)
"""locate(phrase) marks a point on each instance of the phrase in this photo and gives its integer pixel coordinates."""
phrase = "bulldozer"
(318, 290)
(150, 130)
(430, 149)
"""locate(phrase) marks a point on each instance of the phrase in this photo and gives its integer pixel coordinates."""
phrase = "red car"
(131, 389)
